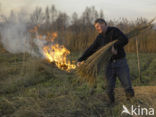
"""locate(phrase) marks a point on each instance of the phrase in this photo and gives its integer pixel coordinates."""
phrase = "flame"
(51, 36)
(54, 52)
(58, 54)
(35, 29)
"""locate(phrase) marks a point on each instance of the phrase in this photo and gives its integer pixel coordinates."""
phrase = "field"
(32, 87)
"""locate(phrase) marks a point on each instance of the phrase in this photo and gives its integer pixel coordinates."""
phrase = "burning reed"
(52, 51)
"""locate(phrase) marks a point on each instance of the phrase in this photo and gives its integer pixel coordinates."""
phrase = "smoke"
(154, 26)
(16, 38)
(40, 44)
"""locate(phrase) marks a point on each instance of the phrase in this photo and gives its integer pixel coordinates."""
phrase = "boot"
(129, 93)
(111, 98)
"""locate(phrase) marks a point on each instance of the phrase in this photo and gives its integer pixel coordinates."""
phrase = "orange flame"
(35, 29)
(58, 54)
(55, 53)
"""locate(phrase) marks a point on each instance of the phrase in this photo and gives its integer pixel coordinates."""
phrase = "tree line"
(78, 32)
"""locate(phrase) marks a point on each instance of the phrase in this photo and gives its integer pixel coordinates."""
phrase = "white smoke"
(154, 27)
(40, 44)
(16, 38)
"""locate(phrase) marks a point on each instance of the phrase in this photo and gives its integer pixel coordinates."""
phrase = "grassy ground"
(31, 87)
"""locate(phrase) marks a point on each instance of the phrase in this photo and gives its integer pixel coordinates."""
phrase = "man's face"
(100, 27)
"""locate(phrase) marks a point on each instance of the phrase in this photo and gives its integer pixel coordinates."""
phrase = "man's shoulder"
(113, 28)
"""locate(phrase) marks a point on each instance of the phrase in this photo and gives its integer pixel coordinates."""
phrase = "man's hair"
(100, 20)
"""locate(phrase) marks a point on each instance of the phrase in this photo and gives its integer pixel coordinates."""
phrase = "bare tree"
(94, 14)
(62, 21)
(101, 14)
(89, 15)
(74, 18)
(47, 17)
(53, 14)
(37, 16)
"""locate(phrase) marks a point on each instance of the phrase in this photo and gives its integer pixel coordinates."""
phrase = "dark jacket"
(111, 34)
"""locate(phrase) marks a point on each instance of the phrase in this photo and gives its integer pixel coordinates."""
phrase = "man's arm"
(88, 52)
(122, 39)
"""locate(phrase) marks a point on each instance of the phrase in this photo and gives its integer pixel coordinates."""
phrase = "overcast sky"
(112, 8)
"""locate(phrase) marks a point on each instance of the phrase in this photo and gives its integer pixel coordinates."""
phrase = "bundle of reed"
(97, 62)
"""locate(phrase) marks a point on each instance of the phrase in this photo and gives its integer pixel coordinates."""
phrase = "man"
(117, 66)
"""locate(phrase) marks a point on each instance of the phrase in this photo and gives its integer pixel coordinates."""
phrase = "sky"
(113, 9)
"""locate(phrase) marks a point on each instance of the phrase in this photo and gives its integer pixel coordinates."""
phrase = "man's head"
(100, 25)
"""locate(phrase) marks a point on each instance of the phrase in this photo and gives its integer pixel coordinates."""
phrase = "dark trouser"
(118, 68)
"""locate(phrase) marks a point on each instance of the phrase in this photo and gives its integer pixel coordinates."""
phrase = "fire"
(58, 54)
(55, 53)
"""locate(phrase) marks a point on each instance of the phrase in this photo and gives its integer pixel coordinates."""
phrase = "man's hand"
(80, 63)
(114, 51)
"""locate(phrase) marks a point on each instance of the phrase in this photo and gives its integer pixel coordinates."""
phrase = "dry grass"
(38, 89)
